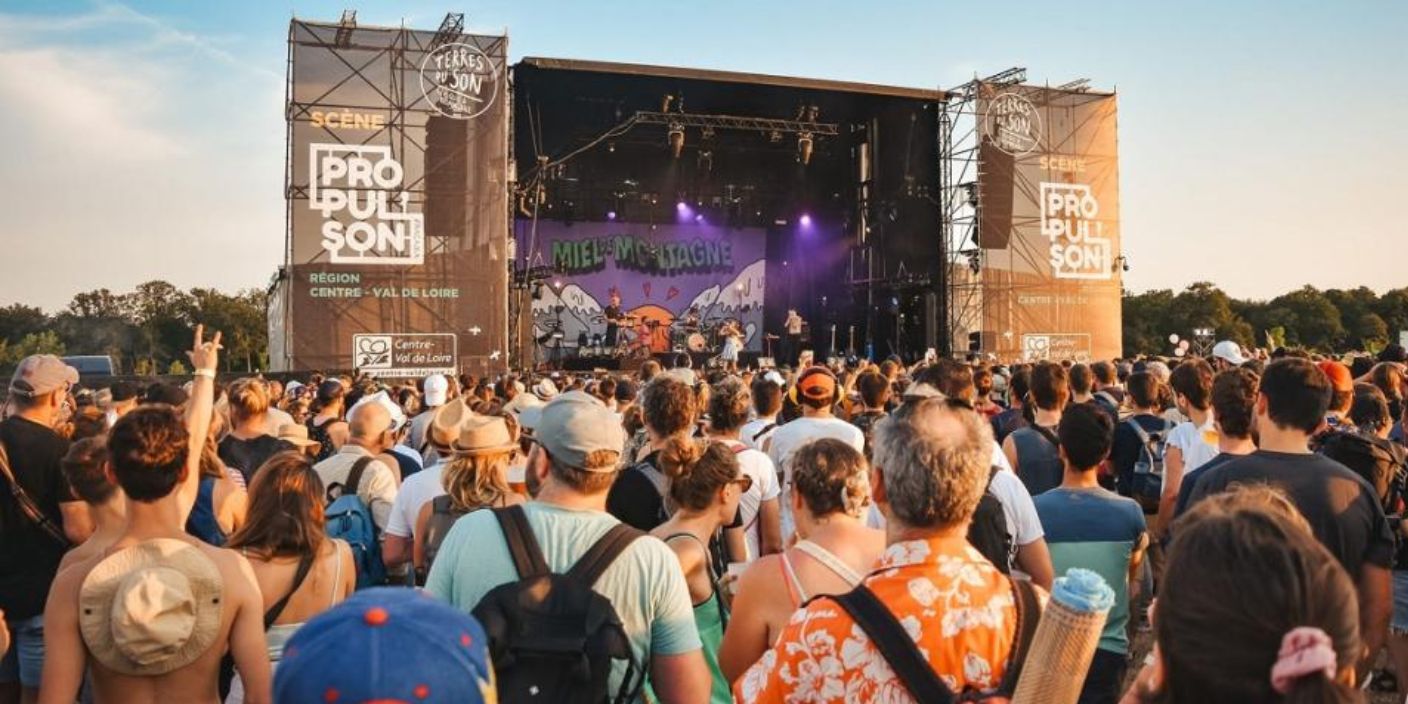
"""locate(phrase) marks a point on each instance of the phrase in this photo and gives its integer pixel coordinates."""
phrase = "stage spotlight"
(676, 139)
(611, 215)
(665, 102)
(804, 148)
(805, 220)
(681, 207)
(699, 218)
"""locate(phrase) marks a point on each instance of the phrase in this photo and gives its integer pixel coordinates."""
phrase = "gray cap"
(39, 374)
(576, 424)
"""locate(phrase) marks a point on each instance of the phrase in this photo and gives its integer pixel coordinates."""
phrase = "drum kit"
(639, 337)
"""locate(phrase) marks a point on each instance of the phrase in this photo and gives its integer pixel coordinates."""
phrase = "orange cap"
(817, 383)
(1338, 374)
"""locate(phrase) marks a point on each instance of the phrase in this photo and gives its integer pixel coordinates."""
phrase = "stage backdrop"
(397, 202)
(659, 272)
(1049, 209)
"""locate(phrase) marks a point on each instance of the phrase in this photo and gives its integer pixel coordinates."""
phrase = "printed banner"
(660, 274)
(1049, 180)
(409, 356)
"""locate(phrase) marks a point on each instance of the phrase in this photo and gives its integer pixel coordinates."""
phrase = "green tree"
(18, 320)
(1317, 320)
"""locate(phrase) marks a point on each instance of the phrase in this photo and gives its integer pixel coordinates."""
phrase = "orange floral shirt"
(958, 608)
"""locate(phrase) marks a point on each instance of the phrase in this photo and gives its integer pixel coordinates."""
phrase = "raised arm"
(204, 360)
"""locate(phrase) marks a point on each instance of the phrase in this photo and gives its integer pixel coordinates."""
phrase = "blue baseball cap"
(388, 644)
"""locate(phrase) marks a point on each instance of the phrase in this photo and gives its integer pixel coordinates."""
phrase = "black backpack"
(988, 531)
(1380, 462)
(552, 638)
(909, 664)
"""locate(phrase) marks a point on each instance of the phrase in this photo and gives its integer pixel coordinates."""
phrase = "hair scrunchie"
(1305, 651)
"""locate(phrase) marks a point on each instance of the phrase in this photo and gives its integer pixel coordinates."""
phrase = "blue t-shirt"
(1098, 530)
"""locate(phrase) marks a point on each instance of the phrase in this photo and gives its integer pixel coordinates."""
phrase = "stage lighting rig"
(676, 137)
(804, 148)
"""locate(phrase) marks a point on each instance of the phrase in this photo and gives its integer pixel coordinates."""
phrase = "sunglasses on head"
(744, 483)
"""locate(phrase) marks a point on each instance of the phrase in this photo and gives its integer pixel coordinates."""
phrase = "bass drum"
(694, 342)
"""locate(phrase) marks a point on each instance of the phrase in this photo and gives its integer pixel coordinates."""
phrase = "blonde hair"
(472, 481)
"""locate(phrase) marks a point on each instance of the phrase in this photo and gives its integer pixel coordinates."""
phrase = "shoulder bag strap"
(26, 504)
(354, 478)
(522, 544)
(1139, 430)
(1028, 617)
(304, 566)
(1046, 433)
(894, 645)
(602, 553)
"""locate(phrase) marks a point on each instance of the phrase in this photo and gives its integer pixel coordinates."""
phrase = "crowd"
(681, 535)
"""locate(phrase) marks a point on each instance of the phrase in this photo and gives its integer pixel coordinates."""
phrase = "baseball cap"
(576, 424)
(39, 374)
(1229, 351)
(1339, 375)
(817, 383)
(151, 608)
(387, 644)
(437, 387)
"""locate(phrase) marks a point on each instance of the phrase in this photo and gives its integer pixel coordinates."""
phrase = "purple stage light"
(699, 218)
(805, 220)
(681, 207)
(610, 215)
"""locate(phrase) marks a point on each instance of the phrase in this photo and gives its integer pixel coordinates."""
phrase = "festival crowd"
(688, 535)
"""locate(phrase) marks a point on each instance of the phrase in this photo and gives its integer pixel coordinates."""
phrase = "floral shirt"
(958, 608)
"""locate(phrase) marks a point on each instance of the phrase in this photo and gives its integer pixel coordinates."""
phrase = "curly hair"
(934, 457)
(831, 477)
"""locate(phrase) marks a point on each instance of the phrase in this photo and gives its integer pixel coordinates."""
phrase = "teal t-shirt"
(644, 583)
(1098, 530)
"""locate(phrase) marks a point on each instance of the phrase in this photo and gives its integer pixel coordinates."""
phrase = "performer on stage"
(733, 344)
(612, 313)
(793, 348)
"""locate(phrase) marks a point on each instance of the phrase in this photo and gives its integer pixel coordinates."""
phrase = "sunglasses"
(744, 483)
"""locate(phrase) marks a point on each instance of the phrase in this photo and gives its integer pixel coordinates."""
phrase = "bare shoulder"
(235, 570)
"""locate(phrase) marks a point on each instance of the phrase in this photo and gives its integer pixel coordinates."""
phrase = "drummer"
(612, 313)
(691, 318)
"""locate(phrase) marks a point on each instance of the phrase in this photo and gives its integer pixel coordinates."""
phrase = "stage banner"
(660, 272)
(1049, 223)
(397, 201)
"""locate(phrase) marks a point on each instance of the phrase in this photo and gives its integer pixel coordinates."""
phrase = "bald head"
(934, 460)
(368, 422)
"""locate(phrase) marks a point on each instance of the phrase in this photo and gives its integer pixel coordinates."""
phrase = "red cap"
(1339, 375)
(817, 383)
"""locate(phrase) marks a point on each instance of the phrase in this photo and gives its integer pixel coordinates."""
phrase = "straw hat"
(445, 425)
(151, 608)
(484, 435)
(297, 435)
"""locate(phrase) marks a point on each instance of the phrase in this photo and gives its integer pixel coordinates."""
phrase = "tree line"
(145, 330)
(1332, 320)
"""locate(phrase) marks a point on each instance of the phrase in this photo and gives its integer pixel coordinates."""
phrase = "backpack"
(349, 519)
(1380, 462)
(1147, 486)
(443, 515)
(661, 483)
(552, 638)
(988, 531)
(910, 666)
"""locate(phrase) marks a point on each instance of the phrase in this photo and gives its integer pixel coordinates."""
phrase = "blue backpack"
(349, 519)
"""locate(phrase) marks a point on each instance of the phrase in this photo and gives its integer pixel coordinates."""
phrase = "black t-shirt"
(1190, 480)
(29, 557)
(1127, 446)
(249, 455)
(1006, 423)
(612, 314)
(633, 498)
(866, 420)
(1339, 505)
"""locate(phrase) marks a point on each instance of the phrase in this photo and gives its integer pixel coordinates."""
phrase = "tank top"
(827, 560)
(319, 434)
(202, 522)
(1038, 461)
(710, 620)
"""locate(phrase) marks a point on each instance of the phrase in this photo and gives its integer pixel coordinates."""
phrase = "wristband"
(207, 373)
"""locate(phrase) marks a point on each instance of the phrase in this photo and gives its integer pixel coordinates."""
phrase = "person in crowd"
(436, 393)
(1015, 417)
(1192, 443)
(299, 570)
(1341, 507)
(1253, 609)
(373, 432)
(1143, 390)
(606, 391)
(931, 466)
(1227, 355)
(474, 477)
(759, 512)
(983, 403)
(1341, 395)
(1109, 393)
(1090, 527)
(221, 504)
(423, 486)
(275, 417)
(85, 470)
(40, 517)
(296, 434)
(358, 651)
(124, 399)
(571, 467)
(767, 403)
(1233, 410)
(625, 396)
(1390, 379)
(327, 425)
(817, 393)
(1031, 451)
(834, 549)
(875, 392)
(151, 617)
(249, 444)
(706, 485)
(637, 497)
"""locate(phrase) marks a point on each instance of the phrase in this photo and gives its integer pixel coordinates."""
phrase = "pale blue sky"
(1263, 144)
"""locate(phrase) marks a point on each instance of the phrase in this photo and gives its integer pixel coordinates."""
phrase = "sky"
(1262, 144)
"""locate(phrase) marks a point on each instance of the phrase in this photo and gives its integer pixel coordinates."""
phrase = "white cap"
(1229, 351)
(437, 387)
(398, 416)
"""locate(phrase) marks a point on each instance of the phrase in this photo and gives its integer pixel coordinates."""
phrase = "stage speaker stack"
(996, 184)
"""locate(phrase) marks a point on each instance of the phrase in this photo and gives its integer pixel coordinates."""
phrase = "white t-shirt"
(418, 490)
(765, 488)
(1192, 441)
(793, 435)
(753, 427)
